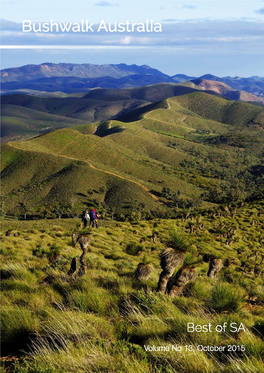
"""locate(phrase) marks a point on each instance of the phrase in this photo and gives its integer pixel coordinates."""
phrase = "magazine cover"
(132, 167)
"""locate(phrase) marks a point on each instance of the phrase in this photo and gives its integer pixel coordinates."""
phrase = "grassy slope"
(39, 179)
(169, 146)
(101, 322)
(27, 113)
(18, 121)
(216, 108)
(102, 104)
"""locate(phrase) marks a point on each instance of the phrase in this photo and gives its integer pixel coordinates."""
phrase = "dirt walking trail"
(149, 112)
(96, 168)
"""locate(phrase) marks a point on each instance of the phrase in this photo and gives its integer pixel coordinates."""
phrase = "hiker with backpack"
(94, 219)
(85, 218)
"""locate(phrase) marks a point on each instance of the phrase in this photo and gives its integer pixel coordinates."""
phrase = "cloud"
(106, 3)
(206, 35)
(126, 40)
(260, 11)
(173, 20)
(187, 6)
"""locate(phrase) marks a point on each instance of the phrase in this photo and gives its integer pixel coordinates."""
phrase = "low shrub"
(40, 252)
(54, 253)
(133, 248)
(18, 327)
(225, 297)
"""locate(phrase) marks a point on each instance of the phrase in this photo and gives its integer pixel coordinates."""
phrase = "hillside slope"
(98, 105)
(190, 150)
(101, 320)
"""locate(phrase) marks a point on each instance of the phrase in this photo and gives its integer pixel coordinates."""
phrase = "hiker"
(85, 218)
(94, 219)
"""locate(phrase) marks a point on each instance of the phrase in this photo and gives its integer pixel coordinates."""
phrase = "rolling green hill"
(19, 121)
(25, 115)
(216, 108)
(184, 176)
(80, 108)
(106, 104)
(192, 150)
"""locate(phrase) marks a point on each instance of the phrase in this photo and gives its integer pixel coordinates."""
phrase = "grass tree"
(171, 257)
(83, 240)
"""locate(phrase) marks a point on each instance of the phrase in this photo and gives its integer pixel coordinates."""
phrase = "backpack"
(83, 215)
(92, 215)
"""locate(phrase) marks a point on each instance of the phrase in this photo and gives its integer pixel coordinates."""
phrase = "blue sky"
(218, 37)
(120, 10)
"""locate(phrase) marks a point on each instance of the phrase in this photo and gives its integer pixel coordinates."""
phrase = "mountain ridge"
(88, 76)
(74, 70)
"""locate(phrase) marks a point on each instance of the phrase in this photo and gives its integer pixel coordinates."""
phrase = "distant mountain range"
(84, 71)
(75, 78)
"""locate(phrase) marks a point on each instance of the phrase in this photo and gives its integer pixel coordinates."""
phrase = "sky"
(199, 37)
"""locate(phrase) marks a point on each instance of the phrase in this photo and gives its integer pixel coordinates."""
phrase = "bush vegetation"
(100, 322)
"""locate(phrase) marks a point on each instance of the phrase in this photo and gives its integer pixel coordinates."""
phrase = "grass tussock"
(178, 241)
(226, 298)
